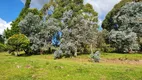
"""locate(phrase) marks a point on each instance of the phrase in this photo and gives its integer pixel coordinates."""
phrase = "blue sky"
(10, 9)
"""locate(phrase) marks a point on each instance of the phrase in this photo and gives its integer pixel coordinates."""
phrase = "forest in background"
(68, 28)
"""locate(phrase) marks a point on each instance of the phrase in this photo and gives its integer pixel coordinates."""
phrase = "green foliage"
(58, 54)
(125, 26)
(58, 13)
(89, 8)
(108, 22)
(101, 38)
(67, 15)
(30, 26)
(71, 14)
(76, 6)
(95, 56)
(15, 28)
(124, 41)
(1, 39)
(7, 33)
(18, 42)
(107, 48)
(49, 29)
(77, 31)
(130, 16)
(2, 47)
(39, 32)
(47, 6)
(78, 1)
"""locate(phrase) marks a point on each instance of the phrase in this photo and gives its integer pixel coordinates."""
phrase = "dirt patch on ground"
(117, 61)
(114, 61)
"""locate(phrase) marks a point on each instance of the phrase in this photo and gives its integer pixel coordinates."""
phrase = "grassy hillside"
(43, 67)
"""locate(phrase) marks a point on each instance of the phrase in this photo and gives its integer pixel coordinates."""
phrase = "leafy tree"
(49, 29)
(38, 31)
(1, 39)
(77, 31)
(63, 19)
(18, 42)
(124, 41)
(30, 26)
(75, 16)
(15, 28)
(108, 22)
(101, 38)
(47, 6)
(2, 47)
(129, 16)
(7, 33)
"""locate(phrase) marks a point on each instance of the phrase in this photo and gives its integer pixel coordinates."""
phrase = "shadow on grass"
(28, 55)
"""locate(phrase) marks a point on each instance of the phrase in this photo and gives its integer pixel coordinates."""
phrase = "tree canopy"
(127, 26)
(18, 42)
(15, 28)
(108, 22)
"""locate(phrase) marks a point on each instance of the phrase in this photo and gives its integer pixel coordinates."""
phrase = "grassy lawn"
(43, 67)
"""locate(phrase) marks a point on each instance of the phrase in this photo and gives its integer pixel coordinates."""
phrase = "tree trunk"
(75, 53)
(17, 53)
(91, 49)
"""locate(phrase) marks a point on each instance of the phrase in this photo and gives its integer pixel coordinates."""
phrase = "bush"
(17, 43)
(95, 56)
(107, 48)
(2, 47)
(58, 54)
(65, 50)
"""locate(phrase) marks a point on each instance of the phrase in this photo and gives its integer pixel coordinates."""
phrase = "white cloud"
(102, 7)
(4, 25)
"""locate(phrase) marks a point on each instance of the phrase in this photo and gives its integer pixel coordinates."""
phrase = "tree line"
(68, 28)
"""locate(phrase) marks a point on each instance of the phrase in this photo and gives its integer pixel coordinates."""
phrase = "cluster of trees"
(125, 26)
(108, 22)
(70, 27)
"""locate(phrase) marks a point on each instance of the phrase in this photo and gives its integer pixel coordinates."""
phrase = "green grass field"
(43, 67)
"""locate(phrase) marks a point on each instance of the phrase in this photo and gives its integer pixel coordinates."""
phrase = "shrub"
(58, 54)
(17, 43)
(107, 48)
(95, 56)
(2, 47)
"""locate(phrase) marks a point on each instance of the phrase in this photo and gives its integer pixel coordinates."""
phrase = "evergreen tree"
(108, 22)
(18, 42)
(79, 26)
(15, 28)
(30, 26)
(128, 17)
(1, 39)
